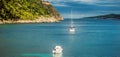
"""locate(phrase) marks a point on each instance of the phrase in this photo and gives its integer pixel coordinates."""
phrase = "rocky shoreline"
(39, 20)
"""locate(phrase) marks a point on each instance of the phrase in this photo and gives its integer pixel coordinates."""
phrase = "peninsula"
(28, 11)
(113, 16)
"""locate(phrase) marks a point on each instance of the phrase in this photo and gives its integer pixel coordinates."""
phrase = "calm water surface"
(92, 38)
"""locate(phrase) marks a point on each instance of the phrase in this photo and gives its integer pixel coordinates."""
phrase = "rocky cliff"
(52, 10)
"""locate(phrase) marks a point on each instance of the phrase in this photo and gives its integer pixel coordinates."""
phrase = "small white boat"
(57, 50)
(72, 29)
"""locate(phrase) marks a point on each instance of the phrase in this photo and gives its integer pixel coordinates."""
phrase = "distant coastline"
(114, 16)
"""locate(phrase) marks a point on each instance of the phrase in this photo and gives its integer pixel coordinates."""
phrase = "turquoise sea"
(92, 38)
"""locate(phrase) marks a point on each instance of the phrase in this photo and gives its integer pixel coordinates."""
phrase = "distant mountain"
(115, 16)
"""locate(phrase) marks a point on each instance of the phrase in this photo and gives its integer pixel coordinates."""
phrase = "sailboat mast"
(71, 19)
(72, 29)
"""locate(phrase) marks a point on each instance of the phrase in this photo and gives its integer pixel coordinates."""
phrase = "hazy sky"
(83, 8)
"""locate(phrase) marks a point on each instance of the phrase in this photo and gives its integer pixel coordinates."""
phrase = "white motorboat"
(57, 50)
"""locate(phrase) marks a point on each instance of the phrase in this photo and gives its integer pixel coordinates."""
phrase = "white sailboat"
(72, 28)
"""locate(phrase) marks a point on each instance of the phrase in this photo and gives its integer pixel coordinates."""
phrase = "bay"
(92, 38)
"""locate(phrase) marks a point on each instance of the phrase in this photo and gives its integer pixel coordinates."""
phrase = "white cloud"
(76, 15)
(88, 1)
(55, 0)
(111, 5)
(85, 1)
(60, 4)
(100, 2)
(93, 2)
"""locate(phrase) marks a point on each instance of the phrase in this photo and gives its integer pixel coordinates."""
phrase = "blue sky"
(86, 8)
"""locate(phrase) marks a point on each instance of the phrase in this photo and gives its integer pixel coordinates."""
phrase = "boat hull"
(72, 29)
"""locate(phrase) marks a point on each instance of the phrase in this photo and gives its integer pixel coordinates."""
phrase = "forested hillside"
(24, 9)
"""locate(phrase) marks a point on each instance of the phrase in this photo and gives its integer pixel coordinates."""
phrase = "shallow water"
(92, 38)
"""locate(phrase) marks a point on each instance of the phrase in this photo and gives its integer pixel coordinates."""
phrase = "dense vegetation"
(22, 9)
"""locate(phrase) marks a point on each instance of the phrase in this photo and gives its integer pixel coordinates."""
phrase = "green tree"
(22, 9)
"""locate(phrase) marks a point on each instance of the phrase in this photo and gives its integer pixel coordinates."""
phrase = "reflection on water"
(42, 55)
(57, 55)
(71, 32)
(37, 55)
